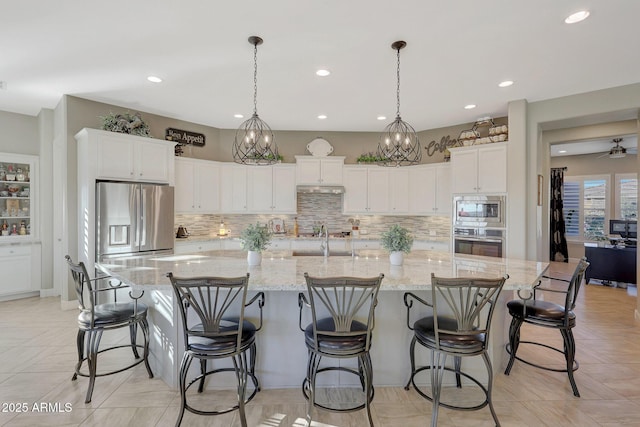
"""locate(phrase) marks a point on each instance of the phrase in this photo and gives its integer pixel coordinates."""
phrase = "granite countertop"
(280, 271)
(281, 236)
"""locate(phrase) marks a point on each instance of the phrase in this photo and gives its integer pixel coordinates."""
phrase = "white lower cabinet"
(230, 245)
(305, 245)
(365, 244)
(20, 266)
(279, 245)
(182, 247)
(430, 246)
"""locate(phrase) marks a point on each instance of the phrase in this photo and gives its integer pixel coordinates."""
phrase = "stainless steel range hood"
(321, 189)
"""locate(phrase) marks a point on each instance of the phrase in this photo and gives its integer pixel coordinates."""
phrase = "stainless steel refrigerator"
(133, 219)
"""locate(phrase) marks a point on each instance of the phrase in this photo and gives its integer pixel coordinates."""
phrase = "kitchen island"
(282, 353)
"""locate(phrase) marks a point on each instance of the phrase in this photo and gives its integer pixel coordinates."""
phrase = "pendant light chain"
(398, 86)
(255, 79)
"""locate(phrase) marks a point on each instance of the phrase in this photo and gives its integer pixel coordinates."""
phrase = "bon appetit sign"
(185, 137)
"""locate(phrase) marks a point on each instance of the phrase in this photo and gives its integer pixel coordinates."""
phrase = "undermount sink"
(318, 253)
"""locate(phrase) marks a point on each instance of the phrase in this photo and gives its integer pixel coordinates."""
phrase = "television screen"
(618, 227)
(624, 228)
(632, 229)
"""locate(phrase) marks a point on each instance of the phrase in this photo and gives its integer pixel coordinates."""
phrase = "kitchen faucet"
(324, 244)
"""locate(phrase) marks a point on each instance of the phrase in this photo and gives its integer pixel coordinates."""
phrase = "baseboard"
(51, 292)
(19, 295)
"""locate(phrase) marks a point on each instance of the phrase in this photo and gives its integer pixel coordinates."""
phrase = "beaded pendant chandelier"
(399, 144)
(254, 143)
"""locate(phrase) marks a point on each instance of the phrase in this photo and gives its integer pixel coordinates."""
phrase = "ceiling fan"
(617, 151)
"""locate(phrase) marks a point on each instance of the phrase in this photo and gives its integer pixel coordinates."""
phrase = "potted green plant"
(255, 239)
(398, 241)
(132, 124)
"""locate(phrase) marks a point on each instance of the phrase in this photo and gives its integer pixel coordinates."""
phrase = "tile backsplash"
(320, 208)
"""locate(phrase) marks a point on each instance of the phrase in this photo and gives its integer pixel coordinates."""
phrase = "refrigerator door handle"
(134, 206)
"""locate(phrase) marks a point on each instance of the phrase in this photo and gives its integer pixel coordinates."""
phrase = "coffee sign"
(185, 137)
(445, 143)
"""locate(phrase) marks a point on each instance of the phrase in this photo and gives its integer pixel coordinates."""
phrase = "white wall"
(19, 134)
(603, 106)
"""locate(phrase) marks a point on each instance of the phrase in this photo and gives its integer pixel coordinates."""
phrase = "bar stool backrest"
(82, 284)
(211, 307)
(470, 301)
(344, 299)
(574, 284)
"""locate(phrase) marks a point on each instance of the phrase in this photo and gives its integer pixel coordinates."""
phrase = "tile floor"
(37, 356)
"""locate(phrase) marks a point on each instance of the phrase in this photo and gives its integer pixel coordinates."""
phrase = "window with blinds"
(585, 206)
(626, 196)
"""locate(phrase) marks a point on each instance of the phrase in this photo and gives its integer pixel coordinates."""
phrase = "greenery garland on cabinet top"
(397, 239)
(369, 157)
(128, 123)
(255, 237)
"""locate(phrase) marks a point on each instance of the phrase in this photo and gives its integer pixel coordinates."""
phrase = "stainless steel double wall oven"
(479, 225)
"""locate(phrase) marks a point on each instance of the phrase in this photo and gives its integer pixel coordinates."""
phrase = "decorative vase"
(254, 257)
(396, 257)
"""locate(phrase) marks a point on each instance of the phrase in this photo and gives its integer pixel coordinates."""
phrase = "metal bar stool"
(214, 327)
(458, 326)
(548, 315)
(342, 311)
(95, 318)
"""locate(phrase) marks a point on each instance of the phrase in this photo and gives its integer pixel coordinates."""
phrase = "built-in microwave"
(487, 211)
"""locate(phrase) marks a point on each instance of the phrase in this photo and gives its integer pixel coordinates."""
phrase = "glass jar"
(10, 175)
(3, 172)
(20, 174)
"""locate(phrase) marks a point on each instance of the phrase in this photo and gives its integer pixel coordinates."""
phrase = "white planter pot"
(396, 257)
(254, 258)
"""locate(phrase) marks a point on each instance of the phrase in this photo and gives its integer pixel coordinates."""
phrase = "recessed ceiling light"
(154, 79)
(322, 116)
(238, 116)
(562, 151)
(382, 117)
(577, 17)
(505, 83)
(323, 73)
(469, 106)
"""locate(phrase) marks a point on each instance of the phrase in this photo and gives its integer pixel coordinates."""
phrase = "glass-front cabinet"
(17, 197)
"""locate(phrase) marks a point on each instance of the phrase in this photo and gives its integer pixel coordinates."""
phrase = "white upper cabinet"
(197, 186)
(430, 189)
(399, 193)
(356, 184)
(314, 170)
(128, 157)
(258, 189)
(378, 190)
(366, 190)
(480, 169)
(233, 191)
(284, 189)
